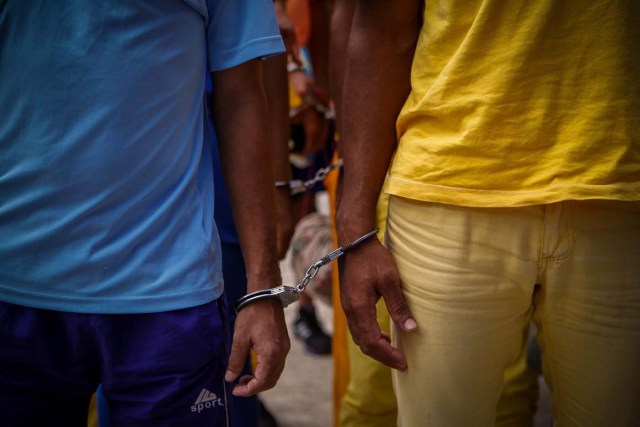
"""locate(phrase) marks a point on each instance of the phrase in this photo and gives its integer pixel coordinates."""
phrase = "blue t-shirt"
(106, 189)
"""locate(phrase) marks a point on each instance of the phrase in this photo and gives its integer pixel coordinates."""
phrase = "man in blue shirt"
(110, 265)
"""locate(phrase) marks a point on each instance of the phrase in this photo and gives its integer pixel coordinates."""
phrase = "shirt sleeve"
(241, 30)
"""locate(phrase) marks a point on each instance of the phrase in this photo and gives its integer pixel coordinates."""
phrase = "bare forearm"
(276, 88)
(318, 43)
(377, 82)
(340, 28)
(240, 117)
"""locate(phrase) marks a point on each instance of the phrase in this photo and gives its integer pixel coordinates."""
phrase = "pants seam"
(541, 258)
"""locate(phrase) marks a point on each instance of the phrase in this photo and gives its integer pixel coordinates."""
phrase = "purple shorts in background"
(157, 369)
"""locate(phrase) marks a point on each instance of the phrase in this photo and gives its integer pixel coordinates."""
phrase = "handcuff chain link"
(311, 272)
(298, 186)
(319, 176)
(323, 172)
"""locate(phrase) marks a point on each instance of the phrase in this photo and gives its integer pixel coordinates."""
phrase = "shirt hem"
(258, 48)
(505, 198)
(114, 305)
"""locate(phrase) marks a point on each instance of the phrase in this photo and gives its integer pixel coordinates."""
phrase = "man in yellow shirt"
(510, 132)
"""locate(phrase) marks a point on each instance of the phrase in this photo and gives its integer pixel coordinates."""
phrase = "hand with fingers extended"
(259, 326)
(367, 274)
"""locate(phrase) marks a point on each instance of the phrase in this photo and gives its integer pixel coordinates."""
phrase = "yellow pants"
(518, 401)
(364, 395)
(472, 277)
(369, 399)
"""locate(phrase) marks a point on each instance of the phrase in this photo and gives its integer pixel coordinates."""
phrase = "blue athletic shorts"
(158, 369)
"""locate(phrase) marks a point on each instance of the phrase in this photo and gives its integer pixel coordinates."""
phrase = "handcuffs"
(290, 294)
(297, 186)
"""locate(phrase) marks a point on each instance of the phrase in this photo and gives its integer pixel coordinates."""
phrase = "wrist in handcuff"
(289, 294)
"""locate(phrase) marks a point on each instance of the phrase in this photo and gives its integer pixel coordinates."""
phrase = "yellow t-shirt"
(522, 102)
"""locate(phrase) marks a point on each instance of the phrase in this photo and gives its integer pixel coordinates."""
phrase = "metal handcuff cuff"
(290, 294)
